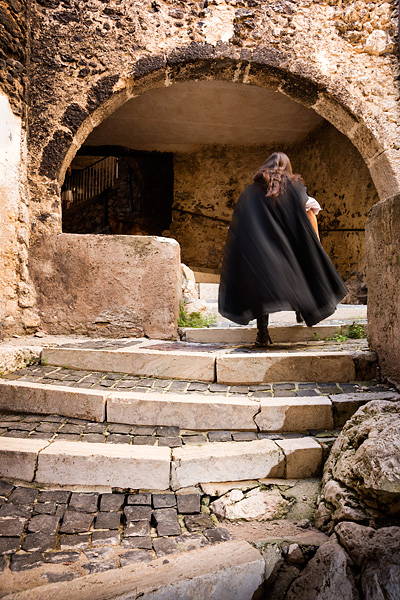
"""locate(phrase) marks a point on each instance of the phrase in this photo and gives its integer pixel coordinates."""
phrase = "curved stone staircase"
(145, 426)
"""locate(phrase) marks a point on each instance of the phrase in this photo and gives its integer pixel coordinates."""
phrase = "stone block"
(143, 542)
(137, 513)
(144, 362)
(188, 503)
(295, 414)
(38, 398)
(274, 367)
(345, 405)
(226, 461)
(18, 457)
(229, 571)
(76, 522)
(164, 546)
(123, 466)
(247, 335)
(185, 411)
(166, 500)
(139, 529)
(141, 297)
(303, 457)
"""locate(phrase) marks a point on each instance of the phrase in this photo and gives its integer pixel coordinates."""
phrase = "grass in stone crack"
(195, 319)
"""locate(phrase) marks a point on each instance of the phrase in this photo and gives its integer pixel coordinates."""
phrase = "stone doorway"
(198, 143)
(109, 189)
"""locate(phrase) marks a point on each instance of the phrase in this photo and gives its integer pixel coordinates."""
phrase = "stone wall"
(14, 29)
(16, 294)
(112, 286)
(87, 59)
(209, 182)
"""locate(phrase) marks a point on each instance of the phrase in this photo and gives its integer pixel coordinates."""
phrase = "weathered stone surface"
(117, 305)
(76, 522)
(295, 414)
(148, 363)
(247, 335)
(257, 505)
(188, 503)
(362, 475)
(18, 457)
(377, 554)
(123, 466)
(233, 570)
(190, 412)
(327, 576)
(382, 233)
(38, 398)
(275, 367)
(345, 405)
(303, 457)
(224, 461)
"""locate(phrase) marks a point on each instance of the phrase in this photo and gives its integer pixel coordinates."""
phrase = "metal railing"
(93, 180)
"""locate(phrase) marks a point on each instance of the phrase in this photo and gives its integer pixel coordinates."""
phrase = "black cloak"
(274, 261)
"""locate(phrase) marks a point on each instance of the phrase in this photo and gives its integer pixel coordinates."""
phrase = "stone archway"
(265, 67)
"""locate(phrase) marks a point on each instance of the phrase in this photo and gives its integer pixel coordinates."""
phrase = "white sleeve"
(313, 205)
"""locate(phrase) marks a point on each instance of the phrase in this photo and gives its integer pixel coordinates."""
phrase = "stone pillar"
(383, 276)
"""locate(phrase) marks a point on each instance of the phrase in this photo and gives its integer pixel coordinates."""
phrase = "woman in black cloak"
(273, 259)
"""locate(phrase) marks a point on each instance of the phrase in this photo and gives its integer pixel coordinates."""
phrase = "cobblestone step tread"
(247, 335)
(195, 410)
(193, 362)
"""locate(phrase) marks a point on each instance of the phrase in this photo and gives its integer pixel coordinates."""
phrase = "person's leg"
(263, 337)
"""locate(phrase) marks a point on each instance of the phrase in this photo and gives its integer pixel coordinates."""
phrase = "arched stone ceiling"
(186, 115)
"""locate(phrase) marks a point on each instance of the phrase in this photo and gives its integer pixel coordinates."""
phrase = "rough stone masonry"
(66, 66)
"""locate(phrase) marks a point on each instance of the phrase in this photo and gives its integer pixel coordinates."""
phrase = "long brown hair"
(274, 174)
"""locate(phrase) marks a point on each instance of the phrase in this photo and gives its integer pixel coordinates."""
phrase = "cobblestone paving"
(56, 427)
(119, 381)
(42, 527)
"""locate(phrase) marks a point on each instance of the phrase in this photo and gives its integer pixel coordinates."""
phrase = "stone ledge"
(247, 335)
(39, 398)
(272, 366)
(91, 464)
(226, 571)
(295, 414)
(198, 366)
(303, 457)
(188, 412)
(345, 405)
(226, 461)
(18, 457)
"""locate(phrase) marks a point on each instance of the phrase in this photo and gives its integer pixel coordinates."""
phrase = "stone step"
(221, 363)
(232, 569)
(196, 366)
(108, 466)
(247, 335)
(193, 411)
(243, 367)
